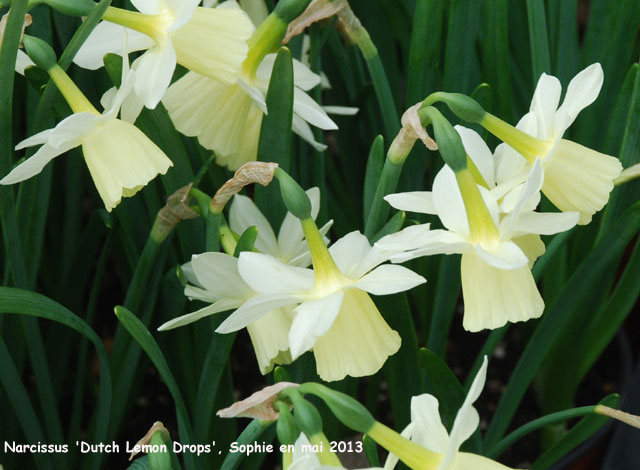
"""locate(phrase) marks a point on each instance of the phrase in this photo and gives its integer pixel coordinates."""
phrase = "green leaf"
(142, 335)
(461, 67)
(424, 66)
(582, 431)
(246, 241)
(444, 303)
(250, 434)
(373, 172)
(275, 134)
(371, 451)
(540, 56)
(392, 226)
(28, 303)
(582, 281)
(495, 55)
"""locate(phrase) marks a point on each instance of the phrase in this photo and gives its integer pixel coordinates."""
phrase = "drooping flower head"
(226, 118)
(497, 248)
(209, 41)
(214, 278)
(427, 430)
(120, 158)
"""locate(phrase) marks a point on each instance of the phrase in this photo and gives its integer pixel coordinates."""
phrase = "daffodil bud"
(294, 197)
(286, 427)
(289, 10)
(307, 416)
(349, 411)
(449, 142)
(463, 106)
(71, 7)
(40, 52)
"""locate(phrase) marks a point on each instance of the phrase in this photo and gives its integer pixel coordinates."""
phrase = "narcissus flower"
(576, 178)
(334, 315)
(497, 251)
(226, 118)
(121, 159)
(427, 430)
(209, 41)
(214, 278)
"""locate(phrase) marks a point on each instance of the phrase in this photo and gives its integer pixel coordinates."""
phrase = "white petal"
(149, 7)
(582, 91)
(301, 128)
(479, 153)
(22, 62)
(303, 77)
(355, 257)
(389, 279)
(546, 223)
(244, 214)
(408, 238)
(253, 309)
(267, 275)
(154, 70)
(449, 203)
(436, 242)
(34, 164)
(428, 430)
(106, 38)
(182, 11)
(467, 418)
(506, 255)
(495, 296)
(256, 95)
(305, 107)
(303, 456)
(341, 110)
(221, 305)
(413, 201)
(218, 273)
(545, 103)
(313, 319)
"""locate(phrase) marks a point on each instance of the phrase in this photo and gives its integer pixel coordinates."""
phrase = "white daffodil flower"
(331, 302)
(289, 246)
(209, 41)
(497, 252)
(226, 118)
(214, 278)
(576, 177)
(121, 159)
(427, 429)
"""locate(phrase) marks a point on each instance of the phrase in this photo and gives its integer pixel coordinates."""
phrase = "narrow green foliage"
(275, 134)
(539, 39)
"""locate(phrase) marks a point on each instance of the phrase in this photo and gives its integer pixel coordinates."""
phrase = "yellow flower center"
(482, 229)
(154, 26)
(525, 144)
(72, 94)
(328, 278)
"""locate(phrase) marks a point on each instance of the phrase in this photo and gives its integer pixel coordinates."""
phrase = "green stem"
(536, 424)
(379, 208)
